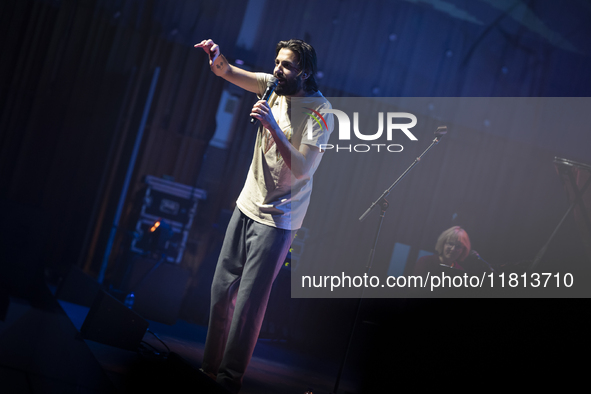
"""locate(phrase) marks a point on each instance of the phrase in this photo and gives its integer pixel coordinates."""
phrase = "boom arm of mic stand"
(385, 194)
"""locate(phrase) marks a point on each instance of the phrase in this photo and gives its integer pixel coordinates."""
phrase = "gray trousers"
(251, 257)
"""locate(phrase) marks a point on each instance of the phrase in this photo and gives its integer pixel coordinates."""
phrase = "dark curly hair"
(306, 60)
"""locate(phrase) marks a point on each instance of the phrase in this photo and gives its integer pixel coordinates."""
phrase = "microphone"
(271, 85)
(475, 254)
(441, 131)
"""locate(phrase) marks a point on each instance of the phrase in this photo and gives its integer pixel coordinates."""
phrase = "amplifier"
(174, 244)
(173, 202)
(165, 218)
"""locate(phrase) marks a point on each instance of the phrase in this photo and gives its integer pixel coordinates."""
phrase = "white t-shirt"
(271, 194)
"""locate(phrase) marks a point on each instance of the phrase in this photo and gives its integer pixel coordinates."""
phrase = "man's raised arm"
(219, 65)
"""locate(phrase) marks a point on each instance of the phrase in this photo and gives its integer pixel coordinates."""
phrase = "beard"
(290, 87)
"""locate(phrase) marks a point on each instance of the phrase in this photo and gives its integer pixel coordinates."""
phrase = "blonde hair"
(454, 234)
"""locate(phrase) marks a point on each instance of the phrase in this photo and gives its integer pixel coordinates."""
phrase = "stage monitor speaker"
(112, 323)
(159, 295)
(78, 288)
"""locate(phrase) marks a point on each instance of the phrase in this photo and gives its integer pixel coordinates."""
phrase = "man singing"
(271, 206)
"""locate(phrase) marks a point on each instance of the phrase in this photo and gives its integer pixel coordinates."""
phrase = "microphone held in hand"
(271, 85)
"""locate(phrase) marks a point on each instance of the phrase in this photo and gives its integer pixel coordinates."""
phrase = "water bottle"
(129, 300)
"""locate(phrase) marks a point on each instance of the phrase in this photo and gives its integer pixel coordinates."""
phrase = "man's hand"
(211, 48)
(262, 112)
(220, 67)
(299, 161)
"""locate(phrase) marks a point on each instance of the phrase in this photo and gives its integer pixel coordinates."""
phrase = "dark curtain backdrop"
(74, 77)
(74, 81)
(502, 187)
(504, 192)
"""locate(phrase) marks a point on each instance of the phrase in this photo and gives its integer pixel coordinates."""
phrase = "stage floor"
(42, 352)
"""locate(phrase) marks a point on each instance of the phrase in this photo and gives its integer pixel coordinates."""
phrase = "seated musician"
(452, 248)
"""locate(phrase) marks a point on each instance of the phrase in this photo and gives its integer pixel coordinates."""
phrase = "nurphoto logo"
(345, 130)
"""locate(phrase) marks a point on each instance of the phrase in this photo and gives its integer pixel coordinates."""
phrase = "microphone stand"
(381, 201)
